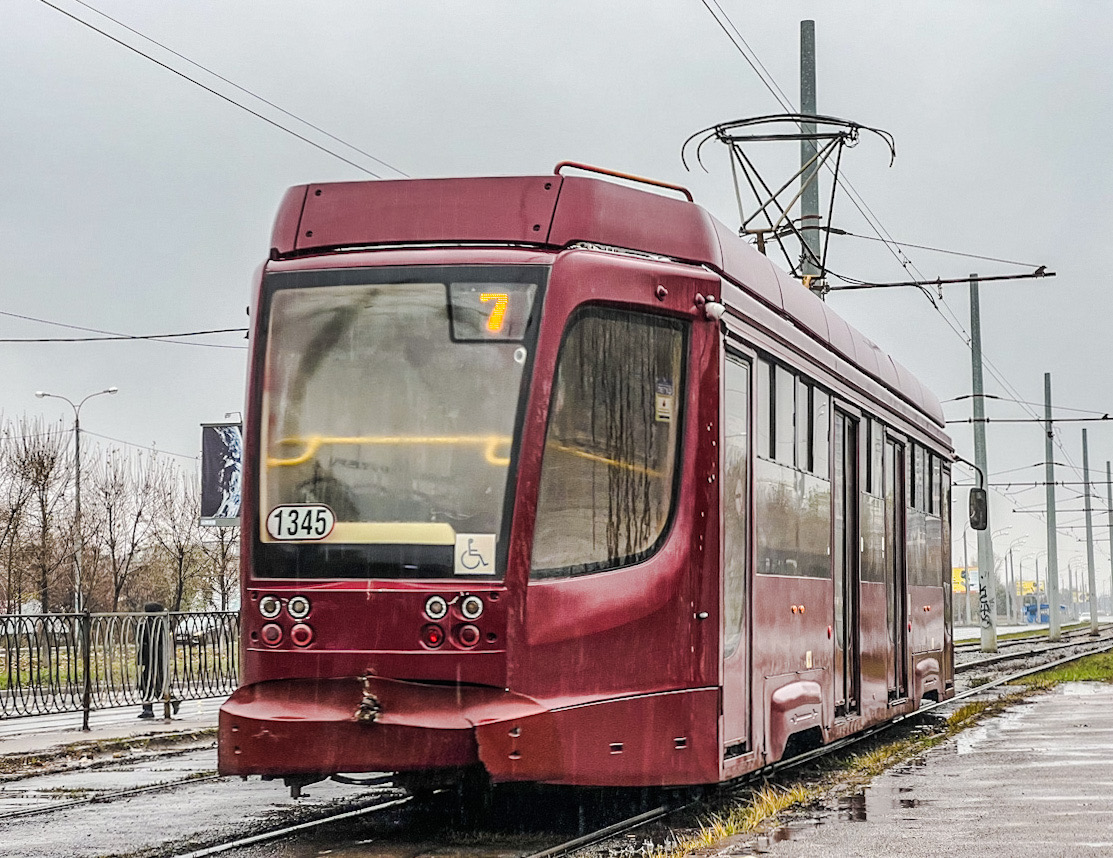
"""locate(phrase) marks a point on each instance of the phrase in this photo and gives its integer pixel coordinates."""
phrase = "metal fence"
(72, 662)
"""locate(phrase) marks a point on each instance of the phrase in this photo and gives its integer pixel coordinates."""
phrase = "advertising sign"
(221, 473)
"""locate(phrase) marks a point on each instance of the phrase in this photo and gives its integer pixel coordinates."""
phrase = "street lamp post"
(42, 394)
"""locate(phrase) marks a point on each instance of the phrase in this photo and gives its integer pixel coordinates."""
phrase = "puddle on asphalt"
(968, 740)
(1082, 689)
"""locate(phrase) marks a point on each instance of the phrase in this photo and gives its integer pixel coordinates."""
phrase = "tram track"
(1080, 632)
(112, 795)
(385, 804)
(1078, 640)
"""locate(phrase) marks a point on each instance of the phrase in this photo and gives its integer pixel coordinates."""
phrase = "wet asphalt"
(1036, 780)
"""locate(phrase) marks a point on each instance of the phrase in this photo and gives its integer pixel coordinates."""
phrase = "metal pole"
(87, 692)
(1053, 632)
(77, 509)
(1109, 508)
(1021, 615)
(1090, 573)
(809, 180)
(966, 573)
(1037, 591)
(987, 589)
(1010, 580)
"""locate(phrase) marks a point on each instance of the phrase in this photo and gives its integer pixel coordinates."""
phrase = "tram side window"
(736, 481)
(764, 409)
(821, 430)
(872, 513)
(607, 474)
(936, 486)
(803, 425)
(784, 414)
(792, 483)
(945, 535)
(924, 527)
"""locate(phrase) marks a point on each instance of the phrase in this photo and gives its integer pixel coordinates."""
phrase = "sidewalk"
(44, 734)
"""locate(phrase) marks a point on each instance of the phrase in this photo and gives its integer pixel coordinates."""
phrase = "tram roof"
(557, 211)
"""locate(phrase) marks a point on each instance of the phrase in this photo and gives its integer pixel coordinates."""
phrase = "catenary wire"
(124, 337)
(117, 334)
(242, 89)
(159, 450)
(849, 234)
(209, 89)
(955, 323)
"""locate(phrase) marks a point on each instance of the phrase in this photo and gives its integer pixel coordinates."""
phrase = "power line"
(117, 334)
(1021, 402)
(139, 446)
(244, 90)
(209, 89)
(874, 223)
(1105, 418)
(124, 337)
(938, 281)
(849, 234)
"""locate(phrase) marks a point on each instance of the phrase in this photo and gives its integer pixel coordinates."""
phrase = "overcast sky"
(135, 202)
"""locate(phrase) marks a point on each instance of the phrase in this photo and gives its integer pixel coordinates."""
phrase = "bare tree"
(122, 495)
(222, 551)
(176, 505)
(40, 459)
(15, 494)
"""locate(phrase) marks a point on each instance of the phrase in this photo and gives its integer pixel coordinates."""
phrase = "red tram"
(558, 479)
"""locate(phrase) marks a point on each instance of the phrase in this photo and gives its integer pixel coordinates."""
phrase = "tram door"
(736, 544)
(845, 555)
(896, 572)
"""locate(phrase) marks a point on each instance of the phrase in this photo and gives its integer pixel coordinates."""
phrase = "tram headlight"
(436, 608)
(270, 607)
(471, 607)
(298, 607)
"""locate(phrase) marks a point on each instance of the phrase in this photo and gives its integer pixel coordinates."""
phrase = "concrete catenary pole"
(1053, 632)
(987, 580)
(1109, 508)
(809, 179)
(1091, 578)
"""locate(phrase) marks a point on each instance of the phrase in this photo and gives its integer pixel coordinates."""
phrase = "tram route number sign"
(300, 521)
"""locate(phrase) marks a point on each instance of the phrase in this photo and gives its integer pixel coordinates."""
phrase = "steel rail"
(162, 786)
(291, 829)
(1013, 656)
(798, 760)
(578, 843)
(923, 710)
(1035, 636)
(603, 833)
(109, 796)
(572, 846)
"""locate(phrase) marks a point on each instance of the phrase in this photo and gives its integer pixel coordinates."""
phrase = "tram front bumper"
(290, 727)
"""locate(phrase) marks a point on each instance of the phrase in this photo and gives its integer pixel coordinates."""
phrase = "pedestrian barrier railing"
(52, 663)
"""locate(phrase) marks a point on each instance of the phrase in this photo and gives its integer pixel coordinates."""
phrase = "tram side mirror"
(979, 509)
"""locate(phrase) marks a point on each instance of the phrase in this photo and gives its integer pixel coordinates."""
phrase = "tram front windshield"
(388, 408)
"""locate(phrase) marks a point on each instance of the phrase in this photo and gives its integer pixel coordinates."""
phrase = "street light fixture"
(42, 394)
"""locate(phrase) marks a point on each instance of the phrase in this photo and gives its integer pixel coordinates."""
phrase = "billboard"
(959, 576)
(221, 473)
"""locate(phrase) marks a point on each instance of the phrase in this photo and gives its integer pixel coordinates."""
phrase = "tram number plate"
(300, 521)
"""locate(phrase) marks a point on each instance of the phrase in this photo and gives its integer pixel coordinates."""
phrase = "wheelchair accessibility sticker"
(475, 554)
